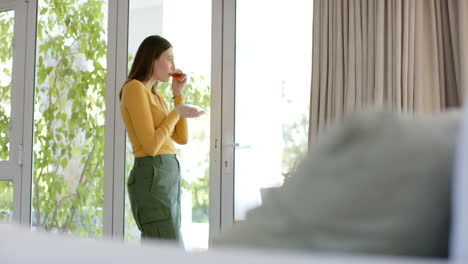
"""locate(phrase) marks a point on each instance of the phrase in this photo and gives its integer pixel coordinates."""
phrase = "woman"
(154, 182)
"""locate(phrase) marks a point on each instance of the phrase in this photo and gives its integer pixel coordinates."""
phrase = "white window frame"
(18, 168)
(114, 157)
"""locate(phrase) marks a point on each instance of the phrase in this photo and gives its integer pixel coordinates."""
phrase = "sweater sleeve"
(151, 139)
(180, 134)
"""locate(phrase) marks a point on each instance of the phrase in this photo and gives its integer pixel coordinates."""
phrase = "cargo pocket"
(131, 178)
(164, 229)
(153, 205)
(157, 223)
(132, 196)
(139, 185)
(153, 214)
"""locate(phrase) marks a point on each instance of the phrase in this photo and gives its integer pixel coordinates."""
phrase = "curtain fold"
(410, 55)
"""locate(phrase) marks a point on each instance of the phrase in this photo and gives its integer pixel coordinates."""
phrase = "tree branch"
(69, 218)
(36, 197)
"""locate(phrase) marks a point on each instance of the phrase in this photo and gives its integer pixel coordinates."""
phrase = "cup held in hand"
(179, 75)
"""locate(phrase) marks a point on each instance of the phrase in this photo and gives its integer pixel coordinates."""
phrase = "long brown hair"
(142, 67)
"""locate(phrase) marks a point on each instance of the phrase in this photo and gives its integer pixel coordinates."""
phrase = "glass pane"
(69, 111)
(6, 67)
(6, 201)
(273, 69)
(181, 22)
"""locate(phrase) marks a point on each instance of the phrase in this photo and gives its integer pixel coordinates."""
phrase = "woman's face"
(163, 66)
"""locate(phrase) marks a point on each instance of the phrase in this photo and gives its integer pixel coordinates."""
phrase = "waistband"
(150, 160)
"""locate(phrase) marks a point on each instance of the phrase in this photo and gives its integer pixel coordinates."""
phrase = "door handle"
(237, 146)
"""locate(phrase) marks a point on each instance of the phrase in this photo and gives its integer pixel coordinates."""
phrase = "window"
(272, 94)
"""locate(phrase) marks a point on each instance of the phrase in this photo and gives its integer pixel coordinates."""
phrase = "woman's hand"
(178, 85)
(189, 111)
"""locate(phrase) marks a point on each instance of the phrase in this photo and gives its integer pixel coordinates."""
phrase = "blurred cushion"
(377, 183)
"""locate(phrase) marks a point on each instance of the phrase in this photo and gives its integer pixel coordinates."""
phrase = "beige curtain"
(411, 55)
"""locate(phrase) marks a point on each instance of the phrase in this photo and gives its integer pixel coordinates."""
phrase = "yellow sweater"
(150, 126)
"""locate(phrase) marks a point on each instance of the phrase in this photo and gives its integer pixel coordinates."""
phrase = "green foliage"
(6, 200)
(200, 190)
(69, 116)
(295, 145)
(6, 54)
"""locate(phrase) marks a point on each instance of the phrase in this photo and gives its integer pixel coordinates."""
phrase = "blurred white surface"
(21, 246)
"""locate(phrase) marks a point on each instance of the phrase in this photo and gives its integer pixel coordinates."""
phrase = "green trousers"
(154, 192)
